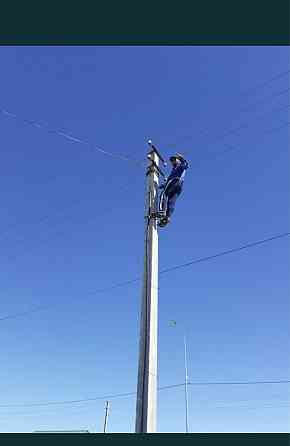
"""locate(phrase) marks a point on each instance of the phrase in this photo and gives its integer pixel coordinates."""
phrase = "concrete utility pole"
(146, 406)
(186, 385)
(106, 416)
(186, 382)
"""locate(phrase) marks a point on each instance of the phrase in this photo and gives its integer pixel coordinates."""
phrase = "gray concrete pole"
(146, 405)
(186, 385)
(106, 416)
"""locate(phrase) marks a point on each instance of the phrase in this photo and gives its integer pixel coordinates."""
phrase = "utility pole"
(173, 323)
(146, 405)
(106, 416)
(186, 385)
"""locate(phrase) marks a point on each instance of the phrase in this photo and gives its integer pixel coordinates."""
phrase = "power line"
(82, 141)
(275, 129)
(24, 313)
(238, 383)
(247, 124)
(239, 111)
(268, 81)
(274, 95)
(37, 308)
(124, 395)
(43, 307)
(58, 233)
(232, 148)
(231, 406)
(223, 253)
(105, 397)
(164, 271)
(71, 138)
(211, 156)
(45, 218)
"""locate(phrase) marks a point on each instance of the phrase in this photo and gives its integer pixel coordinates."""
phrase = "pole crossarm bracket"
(153, 167)
(154, 149)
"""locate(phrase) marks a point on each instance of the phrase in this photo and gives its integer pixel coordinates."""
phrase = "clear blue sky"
(72, 222)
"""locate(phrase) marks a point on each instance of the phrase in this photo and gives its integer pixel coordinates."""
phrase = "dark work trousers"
(169, 196)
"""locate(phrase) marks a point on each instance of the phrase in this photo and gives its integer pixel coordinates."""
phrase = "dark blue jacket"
(177, 173)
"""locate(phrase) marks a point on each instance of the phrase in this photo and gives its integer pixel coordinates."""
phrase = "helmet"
(176, 156)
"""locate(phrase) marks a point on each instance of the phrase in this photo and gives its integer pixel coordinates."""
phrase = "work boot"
(164, 221)
(158, 215)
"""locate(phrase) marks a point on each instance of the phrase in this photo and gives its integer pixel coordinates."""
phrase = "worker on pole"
(172, 188)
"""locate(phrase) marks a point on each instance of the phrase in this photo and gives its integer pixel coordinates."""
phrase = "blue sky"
(72, 223)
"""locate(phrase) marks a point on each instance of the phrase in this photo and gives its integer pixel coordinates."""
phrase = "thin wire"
(44, 307)
(37, 308)
(24, 313)
(275, 129)
(81, 410)
(104, 211)
(232, 148)
(77, 140)
(211, 156)
(246, 124)
(71, 138)
(234, 130)
(124, 395)
(184, 265)
(268, 81)
(223, 253)
(274, 95)
(264, 406)
(238, 383)
(46, 217)
(248, 108)
(54, 403)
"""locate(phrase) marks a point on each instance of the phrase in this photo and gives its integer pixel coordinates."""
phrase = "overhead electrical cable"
(72, 138)
(260, 85)
(164, 271)
(247, 108)
(124, 395)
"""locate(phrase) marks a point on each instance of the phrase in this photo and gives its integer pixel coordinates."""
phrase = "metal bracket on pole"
(154, 166)
(154, 149)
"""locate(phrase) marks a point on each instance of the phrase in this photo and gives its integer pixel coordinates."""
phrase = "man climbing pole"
(172, 188)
